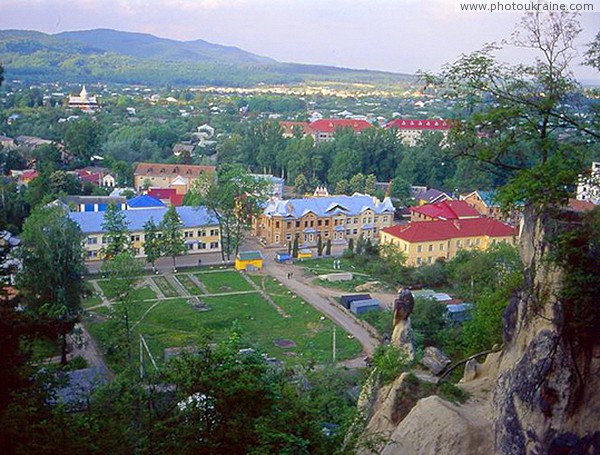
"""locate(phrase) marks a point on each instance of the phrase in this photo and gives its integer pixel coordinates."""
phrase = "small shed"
(249, 260)
(346, 300)
(458, 312)
(282, 256)
(304, 254)
(362, 306)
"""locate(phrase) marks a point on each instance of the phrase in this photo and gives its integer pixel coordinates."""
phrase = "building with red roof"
(168, 196)
(324, 129)
(424, 243)
(445, 210)
(410, 130)
(288, 129)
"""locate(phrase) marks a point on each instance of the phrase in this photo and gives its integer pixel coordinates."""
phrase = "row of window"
(94, 240)
(192, 246)
(336, 222)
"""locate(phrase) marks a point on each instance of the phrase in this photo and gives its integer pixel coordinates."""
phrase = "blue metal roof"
(328, 206)
(143, 201)
(487, 197)
(91, 222)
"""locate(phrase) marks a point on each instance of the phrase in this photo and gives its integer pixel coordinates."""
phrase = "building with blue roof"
(484, 202)
(200, 229)
(144, 201)
(333, 218)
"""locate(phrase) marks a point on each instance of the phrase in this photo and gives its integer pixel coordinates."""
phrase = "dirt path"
(297, 283)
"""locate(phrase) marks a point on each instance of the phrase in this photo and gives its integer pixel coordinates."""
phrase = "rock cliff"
(541, 393)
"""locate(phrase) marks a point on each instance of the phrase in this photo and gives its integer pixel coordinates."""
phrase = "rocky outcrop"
(402, 334)
(434, 360)
(547, 398)
(541, 393)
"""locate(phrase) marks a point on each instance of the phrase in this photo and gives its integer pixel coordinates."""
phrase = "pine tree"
(320, 246)
(152, 243)
(295, 248)
(328, 248)
(172, 242)
(116, 233)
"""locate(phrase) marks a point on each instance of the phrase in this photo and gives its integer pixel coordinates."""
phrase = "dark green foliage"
(51, 280)
(116, 233)
(428, 321)
(13, 206)
(390, 361)
(328, 248)
(320, 246)
(171, 242)
(295, 248)
(577, 252)
(152, 244)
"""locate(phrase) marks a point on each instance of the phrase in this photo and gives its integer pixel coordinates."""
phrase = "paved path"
(154, 287)
(311, 294)
(265, 296)
(197, 282)
(86, 347)
(98, 289)
(182, 291)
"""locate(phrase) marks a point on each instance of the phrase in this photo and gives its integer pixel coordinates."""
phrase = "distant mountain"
(146, 46)
(111, 56)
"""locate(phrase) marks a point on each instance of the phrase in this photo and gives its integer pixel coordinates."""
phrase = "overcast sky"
(394, 35)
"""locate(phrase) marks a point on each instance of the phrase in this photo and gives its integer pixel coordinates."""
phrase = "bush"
(390, 361)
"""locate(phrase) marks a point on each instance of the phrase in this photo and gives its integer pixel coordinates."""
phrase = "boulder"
(435, 360)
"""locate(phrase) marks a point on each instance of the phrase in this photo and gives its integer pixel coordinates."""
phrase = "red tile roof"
(451, 229)
(161, 169)
(329, 125)
(581, 206)
(412, 124)
(162, 193)
(289, 127)
(447, 210)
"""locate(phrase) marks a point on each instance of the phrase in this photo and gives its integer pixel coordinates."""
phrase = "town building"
(324, 130)
(248, 261)
(84, 102)
(588, 188)
(160, 175)
(167, 196)
(424, 243)
(277, 183)
(445, 210)
(335, 218)
(92, 203)
(429, 196)
(200, 229)
(290, 129)
(483, 202)
(410, 130)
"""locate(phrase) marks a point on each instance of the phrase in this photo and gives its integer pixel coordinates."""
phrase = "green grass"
(91, 301)
(165, 286)
(174, 323)
(188, 284)
(227, 281)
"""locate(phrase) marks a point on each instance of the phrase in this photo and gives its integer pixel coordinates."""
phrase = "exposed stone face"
(547, 397)
(435, 360)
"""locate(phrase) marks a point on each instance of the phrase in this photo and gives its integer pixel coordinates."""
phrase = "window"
(214, 232)
(306, 224)
(385, 218)
(469, 242)
(441, 247)
(214, 245)
(297, 224)
(431, 247)
(202, 233)
(276, 224)
(406, 247)
(288, 237)
(289, 224)
(355, 220)
(92, 254)
(92, 240)
(104, 240)
(326, 222)
(188, 234)
(135, 238)
(459, 243)
(419, 248)
(376, 219)
(429, 259)
(419, 261)
(319, 223)
(201, 245)
(355, 231)
(190, 246)
(312, 223)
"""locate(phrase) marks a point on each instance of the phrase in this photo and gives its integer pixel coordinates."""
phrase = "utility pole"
(334, 343)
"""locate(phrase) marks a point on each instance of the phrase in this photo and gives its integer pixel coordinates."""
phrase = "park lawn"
(91, 301)
(142, 293)
(188, 284)
(322, 266)
(221, 282)
(319, 338)
(164, 285)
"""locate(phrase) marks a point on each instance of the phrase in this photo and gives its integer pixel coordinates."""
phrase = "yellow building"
(159, 175)
(249, 260)
(425, 242)
(200, 230)
(334, 218)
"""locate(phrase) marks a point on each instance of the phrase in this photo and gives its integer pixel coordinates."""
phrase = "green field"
(165, 286)
(188, 284)
(221, 282)
(177, 323)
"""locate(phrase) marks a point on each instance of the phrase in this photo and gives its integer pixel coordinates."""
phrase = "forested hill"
(111, 56)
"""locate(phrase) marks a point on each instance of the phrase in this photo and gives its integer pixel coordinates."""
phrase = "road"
(298, 284)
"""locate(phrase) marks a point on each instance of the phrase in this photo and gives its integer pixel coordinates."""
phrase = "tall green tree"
(234, 198)
(171, 241)
(51, 279)
(116, 232)
(123, 271)
(153, 247)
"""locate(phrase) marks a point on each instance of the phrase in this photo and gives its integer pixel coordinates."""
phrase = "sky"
(392, 35)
